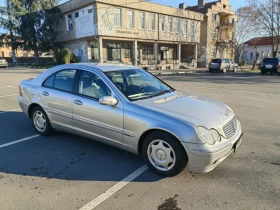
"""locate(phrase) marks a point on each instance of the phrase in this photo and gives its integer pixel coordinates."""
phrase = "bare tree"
(267, 16)
(245, 29)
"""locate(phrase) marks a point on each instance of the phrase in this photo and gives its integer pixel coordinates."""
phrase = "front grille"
(230, 128)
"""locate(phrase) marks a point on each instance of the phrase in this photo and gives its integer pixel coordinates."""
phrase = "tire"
(235, 70)
(224, 70)
(178, 158)
(210, 70)
(41, 122)
(262, 72)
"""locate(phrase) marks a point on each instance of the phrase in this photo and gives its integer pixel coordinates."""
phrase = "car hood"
(197, 110)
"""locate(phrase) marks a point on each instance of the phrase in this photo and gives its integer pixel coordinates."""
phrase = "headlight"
(208, 136)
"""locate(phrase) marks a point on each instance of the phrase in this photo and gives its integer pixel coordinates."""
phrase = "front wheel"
(41, 122)
(262, 72)
(164, 154)
(224, 70)
(235, 69)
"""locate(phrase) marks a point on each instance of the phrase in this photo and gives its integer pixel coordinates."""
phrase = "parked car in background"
(3, 62)
(222, 65)
(129, 108)
(270, 65)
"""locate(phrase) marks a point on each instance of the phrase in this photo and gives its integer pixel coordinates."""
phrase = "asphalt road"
(67, 172)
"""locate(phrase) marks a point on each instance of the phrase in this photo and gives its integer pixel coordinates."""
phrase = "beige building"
(218, 30)
(131, 31)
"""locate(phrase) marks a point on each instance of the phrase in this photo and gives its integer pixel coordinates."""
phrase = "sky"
(175, 3)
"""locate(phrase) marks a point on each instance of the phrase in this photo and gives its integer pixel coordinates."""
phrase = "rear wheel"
(210, 70)
(41, 121)
(262, 72)
(164, 154)
(235, 69)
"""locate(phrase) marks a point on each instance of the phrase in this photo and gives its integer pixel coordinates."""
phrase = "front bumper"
(204, 158)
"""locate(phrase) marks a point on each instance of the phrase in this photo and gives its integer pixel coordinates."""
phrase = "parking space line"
(8, 87)
(9, 111)
(18, 141)
(9, 95)
(94, 203)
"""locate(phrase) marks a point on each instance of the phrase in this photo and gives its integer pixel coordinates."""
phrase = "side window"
(49, 81)
(64, 80)
(91, 85)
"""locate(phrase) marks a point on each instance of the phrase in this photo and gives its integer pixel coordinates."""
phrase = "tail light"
(20, 93)
(220, 62)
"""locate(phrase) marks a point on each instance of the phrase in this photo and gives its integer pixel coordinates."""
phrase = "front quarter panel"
(138, 120)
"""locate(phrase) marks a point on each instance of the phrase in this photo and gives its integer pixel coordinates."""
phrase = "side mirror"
(108, 100)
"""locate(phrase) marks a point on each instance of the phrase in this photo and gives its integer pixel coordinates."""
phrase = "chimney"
(201, 4)
(182, 6)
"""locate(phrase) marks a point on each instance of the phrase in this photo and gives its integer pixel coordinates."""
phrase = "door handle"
(45, 93)
(78, 102)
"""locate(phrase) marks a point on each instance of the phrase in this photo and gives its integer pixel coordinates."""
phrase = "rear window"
(216, 61)
(270, 61)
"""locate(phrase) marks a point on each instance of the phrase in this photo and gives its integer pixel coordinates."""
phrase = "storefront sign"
(127, 32)
(164, 48)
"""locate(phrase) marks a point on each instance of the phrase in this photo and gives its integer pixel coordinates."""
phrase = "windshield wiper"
(162, 92)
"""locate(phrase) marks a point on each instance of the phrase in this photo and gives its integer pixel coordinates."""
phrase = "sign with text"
(84, 20)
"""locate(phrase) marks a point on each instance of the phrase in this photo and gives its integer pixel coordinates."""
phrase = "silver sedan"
(129, 108)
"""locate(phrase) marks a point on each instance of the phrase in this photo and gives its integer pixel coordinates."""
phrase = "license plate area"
(268, 66)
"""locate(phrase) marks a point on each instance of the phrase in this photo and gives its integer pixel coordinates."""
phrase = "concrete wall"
(262, 50)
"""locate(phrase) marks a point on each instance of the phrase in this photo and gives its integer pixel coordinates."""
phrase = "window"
(231, 20)
(162, 22)
(128, 51)
(148, 53)
(214, 33)
(152, 21)
(64, 80)
(142, 20)
(117, 17)
(94, 51)
(214, 17)
(193, 28)
(251, 55)
(91, 85)
(177, 25)
(49, 81)
(185, 26)
(170, 23)
(130, 19)
(113, 52)
(69, 23)
(268, 54)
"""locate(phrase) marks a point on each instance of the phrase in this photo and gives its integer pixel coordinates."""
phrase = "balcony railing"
(225, 43)
(226, 25)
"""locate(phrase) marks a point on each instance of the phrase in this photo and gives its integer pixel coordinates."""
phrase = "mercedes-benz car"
(127, 107)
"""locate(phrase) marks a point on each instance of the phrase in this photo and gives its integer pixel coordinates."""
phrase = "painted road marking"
(94, 203)
(18, 141)
(9, 95)
(8, 87)
(12, 110)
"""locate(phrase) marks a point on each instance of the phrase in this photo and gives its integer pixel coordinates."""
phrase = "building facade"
(130, 31)
(218, 31)
(257, 48)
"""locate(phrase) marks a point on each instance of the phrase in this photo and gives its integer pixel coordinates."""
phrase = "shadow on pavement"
(66, 156)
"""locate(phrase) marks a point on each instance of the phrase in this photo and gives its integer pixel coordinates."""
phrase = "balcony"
(226, 25)
(225, 43)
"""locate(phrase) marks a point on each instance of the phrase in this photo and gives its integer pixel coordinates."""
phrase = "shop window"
(113, 52)
(148, 53)
(128, 51)
(94, 51)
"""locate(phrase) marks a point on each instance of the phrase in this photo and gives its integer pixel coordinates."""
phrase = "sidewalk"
(179, 71)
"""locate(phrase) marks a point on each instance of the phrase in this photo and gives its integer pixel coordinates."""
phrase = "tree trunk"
(36, 55)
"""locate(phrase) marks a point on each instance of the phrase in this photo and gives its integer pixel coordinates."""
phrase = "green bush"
(74, 58)
(62, 56)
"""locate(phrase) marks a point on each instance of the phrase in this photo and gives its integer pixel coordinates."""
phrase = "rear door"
(56, 94)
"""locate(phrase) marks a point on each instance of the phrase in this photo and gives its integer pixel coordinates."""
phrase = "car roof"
(105, 67)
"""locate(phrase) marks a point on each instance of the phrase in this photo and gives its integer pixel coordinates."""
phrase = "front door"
(56, 94)
(89, 116)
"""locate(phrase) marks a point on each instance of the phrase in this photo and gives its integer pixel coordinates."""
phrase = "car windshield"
(137, 84)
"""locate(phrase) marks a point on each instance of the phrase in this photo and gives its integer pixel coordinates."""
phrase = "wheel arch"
(147, 132)
(31, 107)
